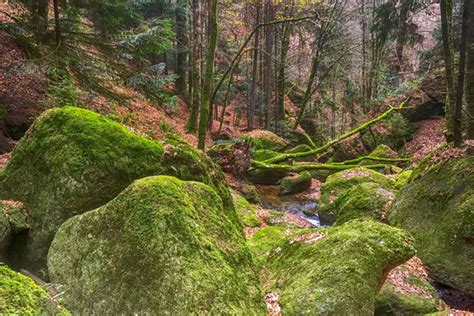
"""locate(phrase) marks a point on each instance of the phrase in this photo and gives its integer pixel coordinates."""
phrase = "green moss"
(296, 183)
(161, 245)
(437, 208)
(245, 211)
(19, 295)
(336, 271)
(300, 149)
(391, 302)
(264, 154)
(263, 139)
(72, 160)
(13, 220)
(365, 200)
(402, 178)
(338, 183)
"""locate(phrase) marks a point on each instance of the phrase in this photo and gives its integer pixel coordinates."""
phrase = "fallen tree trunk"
(328, 145)
(309, 166)
(379, 159)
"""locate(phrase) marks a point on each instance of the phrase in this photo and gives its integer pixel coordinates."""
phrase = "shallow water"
(296, 204)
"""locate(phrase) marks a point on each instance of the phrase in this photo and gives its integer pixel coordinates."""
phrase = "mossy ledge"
(73, 160)
(161, 245)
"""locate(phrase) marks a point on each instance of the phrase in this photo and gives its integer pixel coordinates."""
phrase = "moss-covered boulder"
(245, 211)
(19, 295)
(72, 160)
(162, 245)
(13, 220)
(295, 183)
(264, 176)
(364, 200)
(263, 139)
(438, 209)
(390, 301)
(338, 183)
(336, 271)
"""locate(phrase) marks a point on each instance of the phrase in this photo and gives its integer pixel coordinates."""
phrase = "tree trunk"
(181, 47)
(253, 87)
(285, 46)
(364, 57)
(206, 103)
(57, 26)
(457, 119)
(195, 97)
(447, 34)
(267, 74)
(470, 72)
(39, 13)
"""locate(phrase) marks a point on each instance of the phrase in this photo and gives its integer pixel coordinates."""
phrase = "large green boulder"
(161, 246)
(338, 183)
(438, 209)
(72, 160)
(19, 295)
(336, 271)
(364, 200)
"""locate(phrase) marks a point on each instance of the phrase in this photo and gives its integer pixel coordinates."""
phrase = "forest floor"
(20, 87)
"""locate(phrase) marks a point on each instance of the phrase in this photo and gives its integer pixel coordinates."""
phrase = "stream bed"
(304, 205)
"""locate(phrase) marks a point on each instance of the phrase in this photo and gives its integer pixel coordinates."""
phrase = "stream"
(303, 205)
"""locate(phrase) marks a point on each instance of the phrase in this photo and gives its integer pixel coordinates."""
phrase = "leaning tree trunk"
(206, 103)
(447, 34)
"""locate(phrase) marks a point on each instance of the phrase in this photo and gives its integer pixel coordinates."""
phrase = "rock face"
(337, 271)
(72, 160)
(295, 183)
(19, 295)
(161, 245)
(438, 209)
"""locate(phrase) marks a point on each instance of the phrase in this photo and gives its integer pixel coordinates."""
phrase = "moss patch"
(245, 211)
(403, 178)
(161, 245)
(263, 139)
(19, 295)
(336, 271)
(72, 160)
(438, 209)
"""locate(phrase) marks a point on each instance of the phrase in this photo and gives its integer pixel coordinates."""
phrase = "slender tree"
(470, 71)
(447, 34)
(457, 119)
(206, 103)
(253, 87)
(195, 97)
(181, 47)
